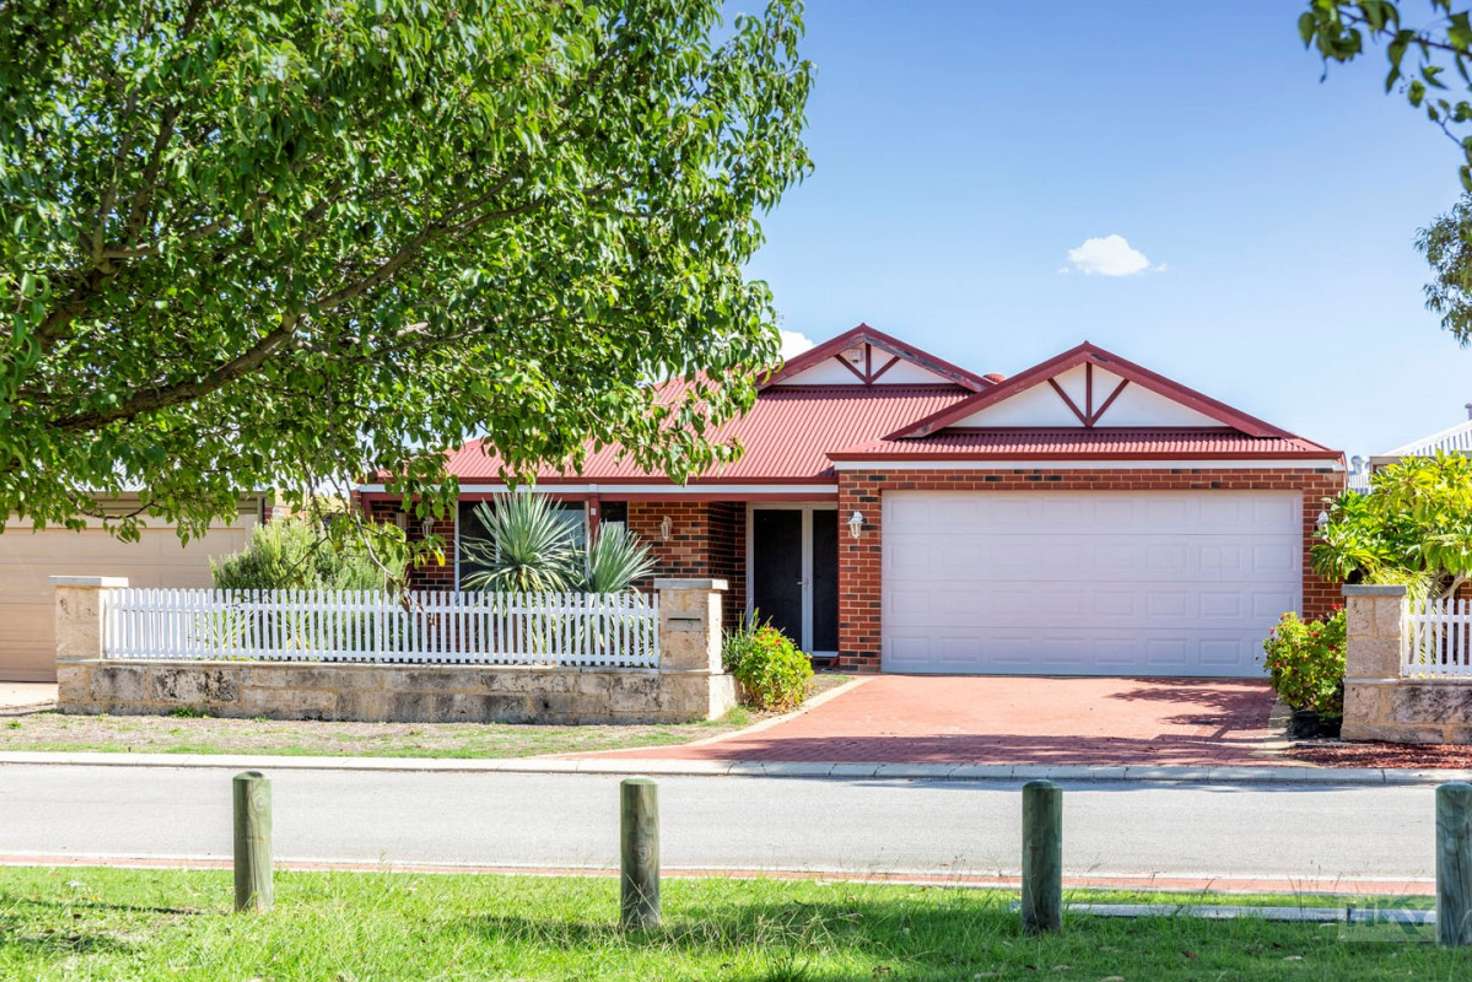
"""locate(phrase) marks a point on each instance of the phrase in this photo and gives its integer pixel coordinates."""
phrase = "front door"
(794, 573)
(776, 569)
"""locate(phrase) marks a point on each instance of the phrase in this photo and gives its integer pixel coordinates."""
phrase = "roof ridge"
(1405, 449)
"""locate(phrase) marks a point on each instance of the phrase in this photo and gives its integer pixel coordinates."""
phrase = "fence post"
(639, 853)
(693, 681)
(1042, 857)
(254, 889)
(78, 607)
(1374, 621)
(1454, 864)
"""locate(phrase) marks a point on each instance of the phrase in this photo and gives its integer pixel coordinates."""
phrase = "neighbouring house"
(903, 514)
(28, 557)
(1454, 439)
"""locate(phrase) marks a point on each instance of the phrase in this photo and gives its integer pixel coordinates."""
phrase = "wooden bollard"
(639, 853)
(253, 887)
(1042, 857)
(1454, 864)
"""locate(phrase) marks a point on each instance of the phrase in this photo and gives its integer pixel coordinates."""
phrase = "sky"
(996, 182)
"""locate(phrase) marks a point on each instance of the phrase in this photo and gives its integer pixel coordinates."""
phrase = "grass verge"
(105, 924)
(194, 734)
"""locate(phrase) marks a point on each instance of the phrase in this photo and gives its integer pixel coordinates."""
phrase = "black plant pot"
(1306, 724)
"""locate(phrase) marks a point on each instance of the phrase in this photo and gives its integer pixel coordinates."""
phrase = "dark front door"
(776, 569)
(825, 579)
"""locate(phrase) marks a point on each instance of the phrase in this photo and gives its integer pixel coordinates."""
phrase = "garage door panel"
(1170, 583)
(28, 559)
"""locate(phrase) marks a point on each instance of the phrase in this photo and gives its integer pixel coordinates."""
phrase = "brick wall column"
(79, 612)
(860, 597)
(693, 683)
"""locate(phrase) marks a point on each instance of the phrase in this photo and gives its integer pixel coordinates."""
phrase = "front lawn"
(208, 735)
(85, 923)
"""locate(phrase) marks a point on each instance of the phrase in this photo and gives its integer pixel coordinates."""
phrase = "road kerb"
(1165, 773)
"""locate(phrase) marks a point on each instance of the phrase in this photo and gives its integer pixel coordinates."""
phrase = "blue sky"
(963, 149)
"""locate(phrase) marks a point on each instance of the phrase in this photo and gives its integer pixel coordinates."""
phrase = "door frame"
(807, 508)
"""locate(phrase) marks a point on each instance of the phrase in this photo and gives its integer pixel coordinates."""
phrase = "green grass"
(189, 732)
(192, 734)
(112, 924)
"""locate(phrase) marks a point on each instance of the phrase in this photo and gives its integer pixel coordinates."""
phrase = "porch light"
(1322, 521)
(426, 527)
(856, 524)
(666, 528)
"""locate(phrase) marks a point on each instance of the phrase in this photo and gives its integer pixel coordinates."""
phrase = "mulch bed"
(1334, 753)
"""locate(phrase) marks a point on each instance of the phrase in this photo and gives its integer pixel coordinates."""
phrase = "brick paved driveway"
(1005, 720)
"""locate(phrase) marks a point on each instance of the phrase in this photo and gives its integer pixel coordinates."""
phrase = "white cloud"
(794, 343)
(1111, 255)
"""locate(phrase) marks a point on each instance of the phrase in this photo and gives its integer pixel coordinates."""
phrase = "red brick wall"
(430, 575)
(859, 596)
(728, 555)
(687, 553)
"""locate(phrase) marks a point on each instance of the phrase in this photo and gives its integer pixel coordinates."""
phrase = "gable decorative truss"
(868, 355)
(1101, 391)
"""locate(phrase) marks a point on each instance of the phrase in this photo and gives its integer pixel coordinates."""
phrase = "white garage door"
(1126, 583)
(28, 559)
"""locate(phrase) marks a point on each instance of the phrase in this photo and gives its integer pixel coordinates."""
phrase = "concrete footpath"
(1156, 773)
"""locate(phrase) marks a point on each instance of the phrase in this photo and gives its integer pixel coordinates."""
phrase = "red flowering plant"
(1305, 660)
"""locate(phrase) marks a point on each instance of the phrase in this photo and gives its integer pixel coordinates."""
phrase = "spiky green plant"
(526, 546)
(615, 560)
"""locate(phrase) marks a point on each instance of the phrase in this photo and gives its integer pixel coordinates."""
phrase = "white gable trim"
(866, 363)
(1085, 396)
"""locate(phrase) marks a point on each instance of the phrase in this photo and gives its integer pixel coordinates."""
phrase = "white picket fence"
(614, 630)
(1438, 639)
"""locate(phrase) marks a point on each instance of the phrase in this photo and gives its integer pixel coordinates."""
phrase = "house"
(29, 557)
(1454, 439)
(1086, 516)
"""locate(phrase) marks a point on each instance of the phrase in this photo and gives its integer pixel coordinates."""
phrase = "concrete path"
(1289, 837)
(914, 719)
(26, 696)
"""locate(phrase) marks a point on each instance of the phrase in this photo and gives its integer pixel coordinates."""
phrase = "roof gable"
(1086, 387)
(864, 356)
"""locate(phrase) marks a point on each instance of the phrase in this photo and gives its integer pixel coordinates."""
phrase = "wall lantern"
(1322, 521)
(666, 528)
(426, 527)
(856, 524)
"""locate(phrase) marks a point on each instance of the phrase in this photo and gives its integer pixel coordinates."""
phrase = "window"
(572, 513)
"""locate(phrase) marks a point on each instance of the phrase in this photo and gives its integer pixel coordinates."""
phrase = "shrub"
(297, 553)
(525, 547)
(1306, 662)
(614, 561)
(772, 673)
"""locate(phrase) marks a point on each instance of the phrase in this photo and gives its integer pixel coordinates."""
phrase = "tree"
(1414, 527)
(1340, 29)
(292, 243)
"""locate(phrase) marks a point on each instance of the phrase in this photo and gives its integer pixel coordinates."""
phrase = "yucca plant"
(615, 560)
(526, 547)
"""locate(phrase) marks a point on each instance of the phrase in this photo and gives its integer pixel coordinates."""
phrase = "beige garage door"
(28, 558)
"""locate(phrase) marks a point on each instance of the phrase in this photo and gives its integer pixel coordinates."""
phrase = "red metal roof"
(1074, 442)
(787, 435)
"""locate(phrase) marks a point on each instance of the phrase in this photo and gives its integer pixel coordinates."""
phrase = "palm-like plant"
(527, 547)
(615, 559)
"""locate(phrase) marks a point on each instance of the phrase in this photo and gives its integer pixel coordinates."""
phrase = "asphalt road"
(1313, 832)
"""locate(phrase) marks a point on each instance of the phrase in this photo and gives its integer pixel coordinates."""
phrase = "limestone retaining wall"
(688, 685)
(1378, 703)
